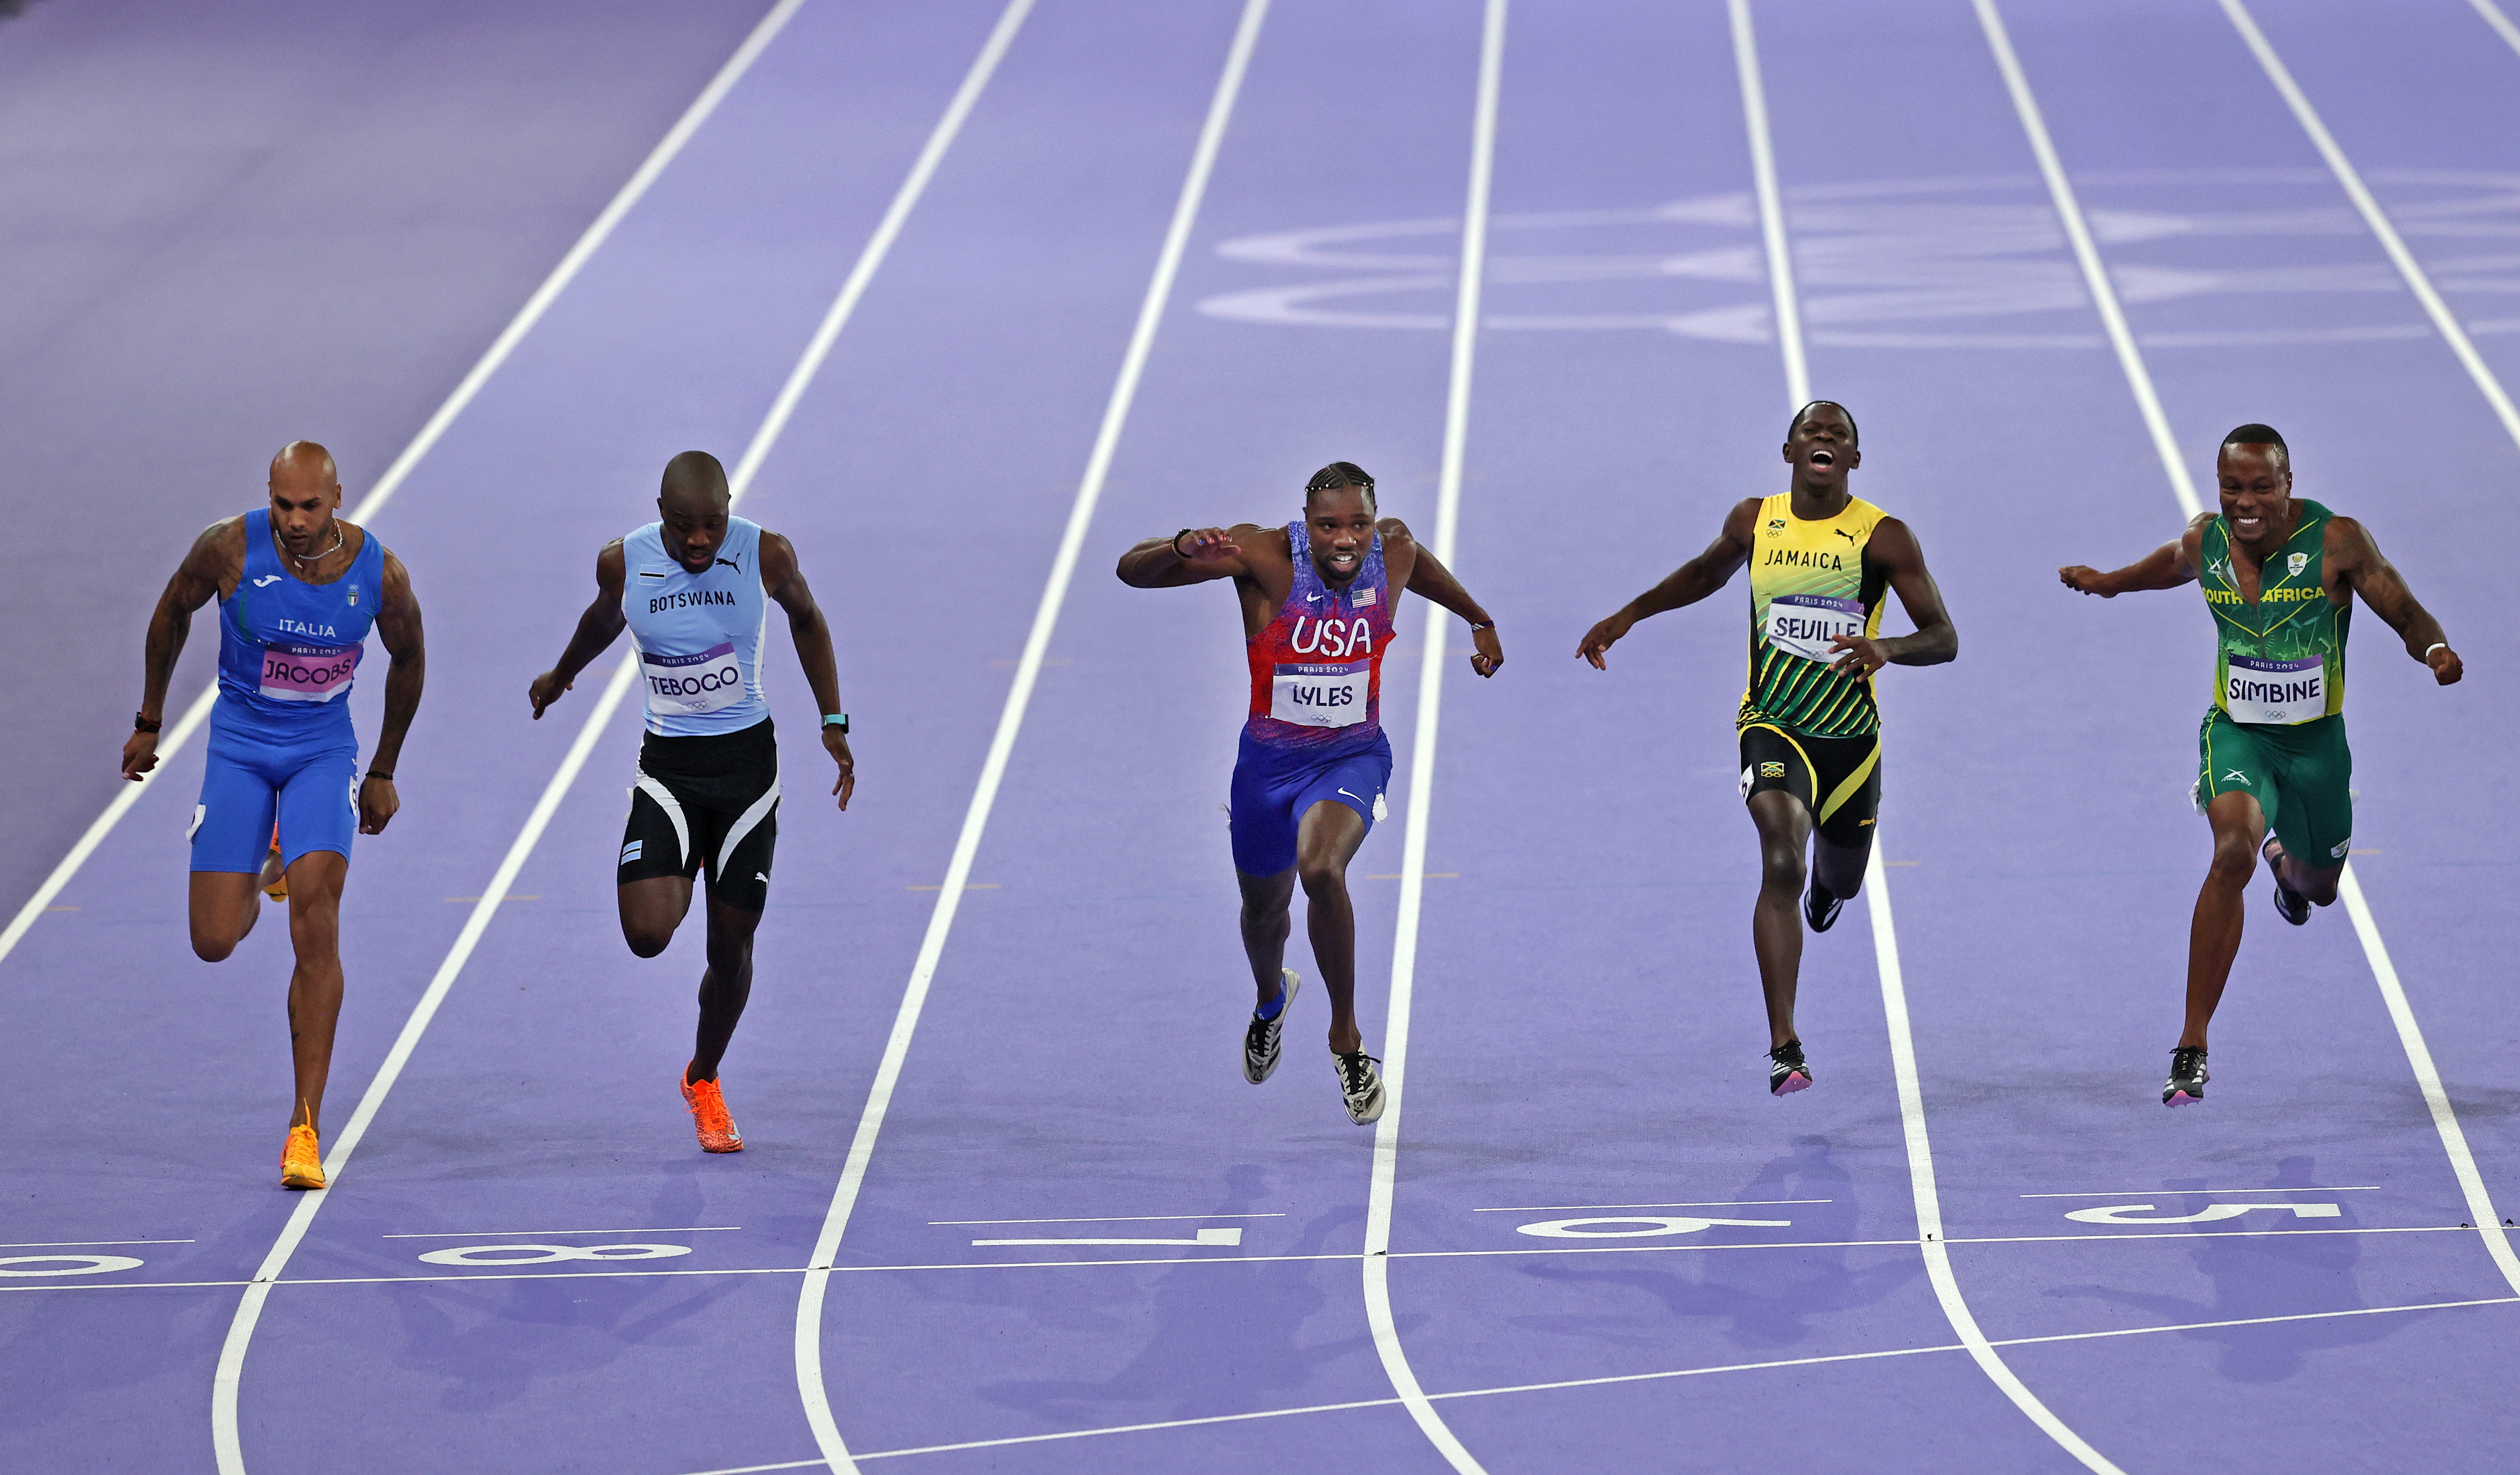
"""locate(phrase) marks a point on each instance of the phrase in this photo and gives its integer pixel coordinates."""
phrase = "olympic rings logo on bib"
(2284, 693)
(691, 685)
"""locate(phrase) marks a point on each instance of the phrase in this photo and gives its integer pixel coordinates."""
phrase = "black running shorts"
(708, 803)
(1837, 778)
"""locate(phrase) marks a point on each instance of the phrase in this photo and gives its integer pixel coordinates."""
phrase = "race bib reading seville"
(308, 673)
(1803, 624)
(688, 686)
(2276, 692)
(1321, 695)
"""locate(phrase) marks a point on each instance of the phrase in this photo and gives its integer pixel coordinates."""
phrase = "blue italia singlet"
(288, 650)
(699, 635)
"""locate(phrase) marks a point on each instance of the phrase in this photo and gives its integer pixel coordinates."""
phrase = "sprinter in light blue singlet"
(298, 590)
(693, 589)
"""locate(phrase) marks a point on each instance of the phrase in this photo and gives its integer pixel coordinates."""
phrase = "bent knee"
(647, 944)
(1321, 879)
(1781, 869)
(210, 949)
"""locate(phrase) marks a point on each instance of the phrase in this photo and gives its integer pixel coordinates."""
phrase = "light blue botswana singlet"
(699, 635)
(288, 648)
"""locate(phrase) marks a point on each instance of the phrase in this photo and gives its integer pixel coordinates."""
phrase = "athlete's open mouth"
(1824, 458)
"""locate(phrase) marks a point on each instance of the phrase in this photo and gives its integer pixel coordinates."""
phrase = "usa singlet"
(288, 650)
(2281, 660)
(1811, 582)
(1317, 669)
(699, 635)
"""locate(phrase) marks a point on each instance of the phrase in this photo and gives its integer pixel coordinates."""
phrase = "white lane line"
(2390, 242)
(1719, 1204)
(808, 1340)
(1630, 1377)
(1893, 995)
(2118, 1192)
(2087, 254)
(2502, 23)
(2410, 1036)
(697, 1228)
(1772, 207)
(1109, 1219)
(1421, 759)
(225, 1438)
(2419, 1058)
(499, 348)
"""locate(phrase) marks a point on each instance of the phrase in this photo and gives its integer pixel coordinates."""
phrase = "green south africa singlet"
(2281, 660)
(1810, 581)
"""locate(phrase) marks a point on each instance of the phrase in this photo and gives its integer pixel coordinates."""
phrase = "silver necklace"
(314, 559)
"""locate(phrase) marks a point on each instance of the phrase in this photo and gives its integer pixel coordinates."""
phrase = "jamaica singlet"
(1811, 581)
(2279, 661)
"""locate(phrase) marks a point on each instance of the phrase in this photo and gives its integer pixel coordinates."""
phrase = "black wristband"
(1484, 625)
(1177, 553)
(373, 773)
(143, 723)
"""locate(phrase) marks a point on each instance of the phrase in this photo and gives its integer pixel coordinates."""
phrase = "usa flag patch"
(1364, 598)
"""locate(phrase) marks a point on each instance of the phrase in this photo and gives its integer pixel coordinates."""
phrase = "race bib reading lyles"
(690, 685)
(1321, 695)
(308, 673)
(1803, 624)
(2282, 693)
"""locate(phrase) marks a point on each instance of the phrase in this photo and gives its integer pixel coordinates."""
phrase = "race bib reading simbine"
(2282, 693)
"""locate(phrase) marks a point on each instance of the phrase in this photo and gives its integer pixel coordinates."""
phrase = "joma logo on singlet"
(664, 602)
(1331, 637)
(1802, 560)
(300, 627)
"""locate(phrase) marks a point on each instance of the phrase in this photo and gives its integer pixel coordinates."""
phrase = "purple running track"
(1585, 1032)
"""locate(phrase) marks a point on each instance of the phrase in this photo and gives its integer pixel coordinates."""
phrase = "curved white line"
(808, 1346)
(225, 1383)
(1894, 1001)
(1421, 765)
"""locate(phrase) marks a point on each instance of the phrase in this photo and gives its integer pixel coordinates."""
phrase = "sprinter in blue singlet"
(693, 589)
(298, 591)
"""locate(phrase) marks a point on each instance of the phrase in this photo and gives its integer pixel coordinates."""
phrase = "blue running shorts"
(310, 783)
(1274, 787)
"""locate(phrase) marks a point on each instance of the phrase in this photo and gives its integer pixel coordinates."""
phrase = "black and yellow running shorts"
(2302, 777)
(1837, 778)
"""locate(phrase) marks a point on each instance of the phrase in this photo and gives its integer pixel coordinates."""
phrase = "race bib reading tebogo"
(1321, 695)
(308, 673)
(688, 686)
(2276, 692)
(1803, 624)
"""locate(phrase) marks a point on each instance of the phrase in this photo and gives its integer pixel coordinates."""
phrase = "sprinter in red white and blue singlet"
(1308, 783)
(298, 590)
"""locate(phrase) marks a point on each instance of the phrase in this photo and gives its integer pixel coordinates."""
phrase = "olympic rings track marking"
(808, 1347)
(2453, 1139)
(465, 390)
(1422, 761)
(1885, 941)
(231, 1366)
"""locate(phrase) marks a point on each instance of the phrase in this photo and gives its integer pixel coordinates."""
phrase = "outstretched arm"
(1690, 582)
(1192, 555)
(215, 556)
(1430, 580)
(782, 580)
(600, 626)
(2351, 550)
(398, 626)
(2167, 566)
(1894, 545)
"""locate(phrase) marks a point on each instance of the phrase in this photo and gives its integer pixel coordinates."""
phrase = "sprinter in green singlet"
(2280, 576)
(1820, 561)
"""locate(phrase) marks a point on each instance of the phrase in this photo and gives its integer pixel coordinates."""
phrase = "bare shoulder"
(1395, 534)
(219, 552)
(612, 565)
(1742, 523)
(1894, 541)
(1271, 544)
(777, 552)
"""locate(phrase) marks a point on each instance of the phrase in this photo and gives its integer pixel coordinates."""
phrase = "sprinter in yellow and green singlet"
(2279, 574)
(1819, 560)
